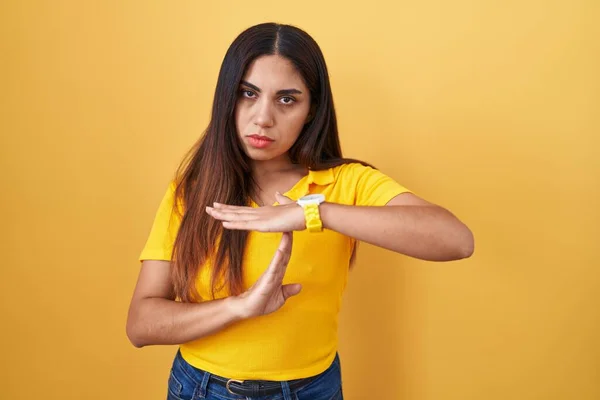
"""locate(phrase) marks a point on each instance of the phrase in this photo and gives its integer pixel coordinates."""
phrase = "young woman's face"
(272, 107)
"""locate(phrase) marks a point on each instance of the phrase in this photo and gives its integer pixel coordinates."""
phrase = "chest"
(284, 184)
(318, 260)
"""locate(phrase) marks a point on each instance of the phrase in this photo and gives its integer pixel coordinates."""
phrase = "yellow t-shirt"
(300, 339)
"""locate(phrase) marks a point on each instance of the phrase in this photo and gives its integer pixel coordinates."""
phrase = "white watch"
(311, 199)
(310, 204)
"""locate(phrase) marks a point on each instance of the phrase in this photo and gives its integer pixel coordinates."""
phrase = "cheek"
(295, 123)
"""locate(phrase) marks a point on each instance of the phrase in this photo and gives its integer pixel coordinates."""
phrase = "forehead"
(272, 73)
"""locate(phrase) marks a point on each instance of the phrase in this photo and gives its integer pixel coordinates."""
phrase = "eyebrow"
(280, 92)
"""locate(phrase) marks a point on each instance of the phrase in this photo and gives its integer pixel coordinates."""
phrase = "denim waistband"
(202, 378)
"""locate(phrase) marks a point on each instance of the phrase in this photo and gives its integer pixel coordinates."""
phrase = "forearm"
(424, 232)
(162, 321)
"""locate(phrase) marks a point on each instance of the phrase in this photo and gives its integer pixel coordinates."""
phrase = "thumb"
(290, 290)
(281, 199)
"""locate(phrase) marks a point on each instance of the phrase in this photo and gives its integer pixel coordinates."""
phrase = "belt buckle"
(230, 382)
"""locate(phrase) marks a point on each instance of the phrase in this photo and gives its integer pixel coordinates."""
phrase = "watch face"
(313, 197)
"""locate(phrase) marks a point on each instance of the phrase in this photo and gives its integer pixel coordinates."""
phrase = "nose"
(264, 114)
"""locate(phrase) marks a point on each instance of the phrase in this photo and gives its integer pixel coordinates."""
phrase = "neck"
(274, 166)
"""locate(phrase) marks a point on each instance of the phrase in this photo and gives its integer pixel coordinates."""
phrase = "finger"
(273, 275)
(230, 216)
(227, 207)
(281, 199)
(285, 248)
(278, 265)
(255, 225)
(286, 240)
(290, 290)
(285, 245)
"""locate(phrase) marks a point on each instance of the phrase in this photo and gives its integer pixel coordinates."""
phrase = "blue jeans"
(189, 383)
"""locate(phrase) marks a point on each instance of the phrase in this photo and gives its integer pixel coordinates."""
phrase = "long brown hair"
(217, 168)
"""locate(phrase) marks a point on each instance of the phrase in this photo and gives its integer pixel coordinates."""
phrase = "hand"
(286, 217)
(268, 294)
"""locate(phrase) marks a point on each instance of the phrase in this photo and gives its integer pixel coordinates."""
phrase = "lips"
(259, 142)
(261, 137)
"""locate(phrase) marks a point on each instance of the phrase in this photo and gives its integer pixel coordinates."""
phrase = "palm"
(276, 302)
(269, 293)
(286, 217)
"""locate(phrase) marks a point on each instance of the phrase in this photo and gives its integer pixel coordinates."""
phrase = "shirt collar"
(321, 178)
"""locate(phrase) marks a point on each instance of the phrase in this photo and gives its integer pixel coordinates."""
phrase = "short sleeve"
(159, 244)
(373, 187)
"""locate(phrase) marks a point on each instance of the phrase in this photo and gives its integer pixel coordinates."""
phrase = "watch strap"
(313, 218)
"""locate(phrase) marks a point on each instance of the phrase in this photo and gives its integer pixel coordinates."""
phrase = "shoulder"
(170, 197)
(350, 171)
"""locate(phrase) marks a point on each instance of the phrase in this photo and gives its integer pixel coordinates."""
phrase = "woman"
(250, 249)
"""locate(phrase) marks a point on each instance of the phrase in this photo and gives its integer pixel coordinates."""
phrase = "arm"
(156, 318)
(407, 225)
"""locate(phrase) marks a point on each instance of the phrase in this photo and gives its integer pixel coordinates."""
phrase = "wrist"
(324, 211)
(312, 211)
(236, 308)
(301, 225)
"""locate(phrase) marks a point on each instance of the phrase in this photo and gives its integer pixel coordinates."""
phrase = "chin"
(260, 155)
(260, 158)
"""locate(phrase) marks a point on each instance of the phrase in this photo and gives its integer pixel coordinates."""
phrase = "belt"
(257, 388)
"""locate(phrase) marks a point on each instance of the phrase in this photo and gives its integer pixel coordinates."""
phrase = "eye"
(247, 93)
(286, 100)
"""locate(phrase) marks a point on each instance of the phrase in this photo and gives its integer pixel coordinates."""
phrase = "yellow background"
(489, 108)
